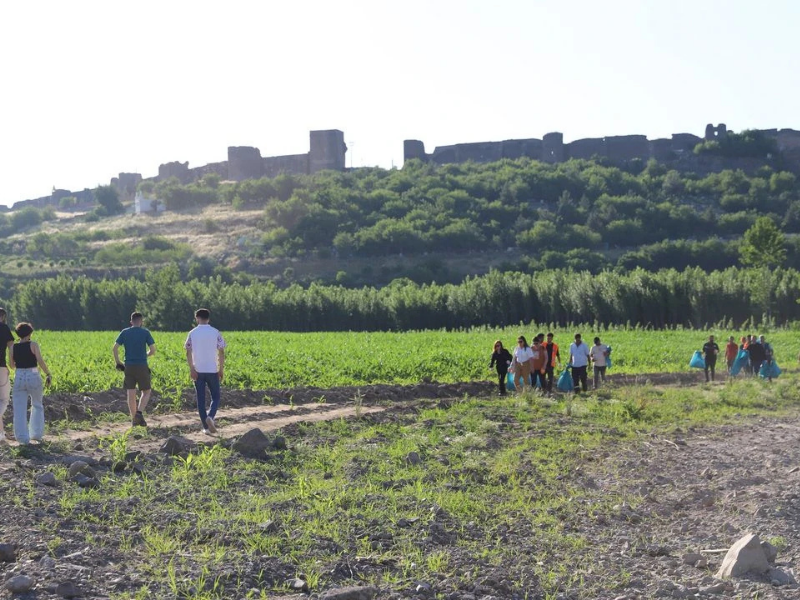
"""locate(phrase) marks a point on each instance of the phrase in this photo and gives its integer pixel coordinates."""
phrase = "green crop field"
(82, 361)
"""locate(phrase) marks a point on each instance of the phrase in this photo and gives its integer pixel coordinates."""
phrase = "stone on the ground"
(47, 478)
(8, 553)
(84, 481)
(770, 551)
(350, 593)
(413, 458)
(47, 562)
(691, 558)
(253, 444)
(67, 589)
(297, 584)
(779, 577)
(177, 445)
(19, 584)
(279, 443)
(80, 466)
(745, 556)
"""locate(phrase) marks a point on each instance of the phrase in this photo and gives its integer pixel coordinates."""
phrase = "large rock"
(177, 446)
(745, 556)
(19, 584)
(253, 444)
(350, 593)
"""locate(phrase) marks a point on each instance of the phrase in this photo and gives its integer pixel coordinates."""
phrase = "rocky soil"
(703, 490)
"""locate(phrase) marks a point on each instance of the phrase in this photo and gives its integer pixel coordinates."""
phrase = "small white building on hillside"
(147, 204)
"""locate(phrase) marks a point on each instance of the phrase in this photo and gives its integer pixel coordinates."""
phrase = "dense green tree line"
(666, 298)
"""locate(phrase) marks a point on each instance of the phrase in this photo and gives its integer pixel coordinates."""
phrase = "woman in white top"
(523, 355)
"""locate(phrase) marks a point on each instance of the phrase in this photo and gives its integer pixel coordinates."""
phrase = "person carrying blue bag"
(742, 362)
(769, 368)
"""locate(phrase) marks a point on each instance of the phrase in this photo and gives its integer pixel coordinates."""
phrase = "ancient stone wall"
(627, 147)
(291, 164)
(585, 148)
(244, 162)
(662, 149)
(218, 168)
(174, 169)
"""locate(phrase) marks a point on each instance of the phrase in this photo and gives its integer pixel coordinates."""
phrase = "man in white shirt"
(598, 354)
(579, 359)
(205, 353)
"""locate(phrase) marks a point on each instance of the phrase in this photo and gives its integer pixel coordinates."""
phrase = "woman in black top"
(26, 358)
(501, 359)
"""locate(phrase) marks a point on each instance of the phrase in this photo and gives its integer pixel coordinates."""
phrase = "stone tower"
(413, 149)
(713, 133)
(553, 147)
(327, 150)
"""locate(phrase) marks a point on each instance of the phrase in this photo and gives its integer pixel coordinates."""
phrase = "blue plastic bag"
(608, 359)
(697, 362)
(565, 383)
(510, 382)
(769, 370)
(741, 362)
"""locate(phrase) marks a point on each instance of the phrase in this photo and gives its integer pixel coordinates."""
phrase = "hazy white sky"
(91, 88)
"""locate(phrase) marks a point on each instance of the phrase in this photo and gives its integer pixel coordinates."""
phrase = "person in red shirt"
(731, 351)
(538, 363)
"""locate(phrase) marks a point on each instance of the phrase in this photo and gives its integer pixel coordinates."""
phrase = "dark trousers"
(540, 376)
(212, 381)
(549, 375)
(756, 366)
(599, 375)
(580, 377)
(710, 366)
(501, 381)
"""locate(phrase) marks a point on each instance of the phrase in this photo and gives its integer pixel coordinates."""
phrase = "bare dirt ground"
(702, 490)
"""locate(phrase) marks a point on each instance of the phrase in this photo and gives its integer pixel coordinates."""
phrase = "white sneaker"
(206, 432)
(211, 425)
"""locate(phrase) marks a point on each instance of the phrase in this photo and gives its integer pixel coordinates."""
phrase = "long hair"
(496, 344)
(524, 341)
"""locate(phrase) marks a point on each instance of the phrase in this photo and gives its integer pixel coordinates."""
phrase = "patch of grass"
(346, 506)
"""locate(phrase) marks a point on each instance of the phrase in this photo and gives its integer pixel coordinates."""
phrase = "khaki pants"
(522, 376)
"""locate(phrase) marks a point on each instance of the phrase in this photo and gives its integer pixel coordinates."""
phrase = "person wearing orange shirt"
(553, 357)
(731, 351)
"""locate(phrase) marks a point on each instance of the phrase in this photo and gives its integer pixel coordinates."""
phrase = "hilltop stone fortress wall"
(623, 148)
(327, 152)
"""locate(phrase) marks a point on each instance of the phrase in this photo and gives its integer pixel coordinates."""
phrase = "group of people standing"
(758, 351)
(205, 357)
(535, 365)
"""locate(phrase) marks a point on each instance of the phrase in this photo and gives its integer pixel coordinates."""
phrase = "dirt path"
(233, 423)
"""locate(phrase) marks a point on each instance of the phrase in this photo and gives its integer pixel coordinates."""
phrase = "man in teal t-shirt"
(138, 344)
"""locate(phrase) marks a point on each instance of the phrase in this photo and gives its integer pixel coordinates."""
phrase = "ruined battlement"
(326, 151)
(621, 148)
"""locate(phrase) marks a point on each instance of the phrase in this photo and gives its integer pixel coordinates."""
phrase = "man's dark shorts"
(137, 375)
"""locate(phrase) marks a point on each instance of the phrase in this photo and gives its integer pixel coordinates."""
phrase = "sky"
(93, 88)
